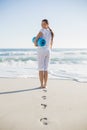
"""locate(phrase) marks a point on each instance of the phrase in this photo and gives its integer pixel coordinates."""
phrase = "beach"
(24, 106)
(48, 36)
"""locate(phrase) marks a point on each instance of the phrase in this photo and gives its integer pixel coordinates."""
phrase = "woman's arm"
(37, 37)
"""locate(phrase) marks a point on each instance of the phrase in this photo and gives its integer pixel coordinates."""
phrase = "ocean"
(68, 64)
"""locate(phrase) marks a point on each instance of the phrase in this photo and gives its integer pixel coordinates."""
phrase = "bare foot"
(42, 86)
(45, 86)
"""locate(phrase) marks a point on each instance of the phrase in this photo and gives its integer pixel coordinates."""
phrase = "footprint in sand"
(44, 90)
(44, 121)
(44, 106)
(44, 97)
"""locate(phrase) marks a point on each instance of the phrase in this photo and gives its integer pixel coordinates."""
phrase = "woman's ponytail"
(52, 34)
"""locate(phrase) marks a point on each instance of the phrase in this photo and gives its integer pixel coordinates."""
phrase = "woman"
(44, 52)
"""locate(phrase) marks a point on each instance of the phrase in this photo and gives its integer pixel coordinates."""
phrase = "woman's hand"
(50, 46)
(37, 37)
(35, 43)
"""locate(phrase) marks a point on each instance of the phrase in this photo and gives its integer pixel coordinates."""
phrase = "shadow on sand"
(19, 91)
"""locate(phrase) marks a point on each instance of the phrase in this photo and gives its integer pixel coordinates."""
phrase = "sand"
(24, 106)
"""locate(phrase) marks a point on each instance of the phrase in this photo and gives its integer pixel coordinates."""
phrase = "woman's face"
(44, 24)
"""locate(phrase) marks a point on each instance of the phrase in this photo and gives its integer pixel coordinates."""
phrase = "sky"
(20, 21)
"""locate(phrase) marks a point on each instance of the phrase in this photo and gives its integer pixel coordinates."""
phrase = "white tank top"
(47, 36)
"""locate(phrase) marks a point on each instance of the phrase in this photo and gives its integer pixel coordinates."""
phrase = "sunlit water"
(64, 63)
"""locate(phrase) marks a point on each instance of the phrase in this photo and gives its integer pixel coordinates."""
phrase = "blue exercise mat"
(40, 42)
